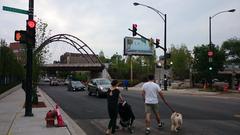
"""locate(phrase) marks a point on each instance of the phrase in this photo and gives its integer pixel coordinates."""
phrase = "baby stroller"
(126, 116)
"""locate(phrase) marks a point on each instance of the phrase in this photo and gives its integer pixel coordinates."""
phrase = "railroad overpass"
(96, 69)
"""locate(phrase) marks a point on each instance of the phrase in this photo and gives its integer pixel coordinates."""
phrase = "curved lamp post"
(210, 18)
(210, 39)
(164, 17)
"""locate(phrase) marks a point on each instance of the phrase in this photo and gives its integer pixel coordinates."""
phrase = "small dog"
(176, 121)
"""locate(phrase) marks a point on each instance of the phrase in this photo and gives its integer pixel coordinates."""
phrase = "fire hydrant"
(50, 117)
(60, 122)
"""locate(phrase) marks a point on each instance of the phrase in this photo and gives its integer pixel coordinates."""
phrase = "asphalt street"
(203, 115)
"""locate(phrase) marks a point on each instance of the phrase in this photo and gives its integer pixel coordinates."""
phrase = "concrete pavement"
(13, 121)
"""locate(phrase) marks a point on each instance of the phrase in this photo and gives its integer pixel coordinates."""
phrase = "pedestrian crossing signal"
(20, 35)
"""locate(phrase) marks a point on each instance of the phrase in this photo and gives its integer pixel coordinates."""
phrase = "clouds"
(104, 23)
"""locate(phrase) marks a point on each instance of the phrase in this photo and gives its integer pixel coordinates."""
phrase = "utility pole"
(28, 101)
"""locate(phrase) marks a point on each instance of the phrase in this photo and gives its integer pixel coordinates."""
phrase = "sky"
(103, 24)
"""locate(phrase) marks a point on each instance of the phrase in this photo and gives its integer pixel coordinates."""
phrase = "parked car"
(66, 82)
(46, 79)
(54, 82)
(76, 86)
(98, 86)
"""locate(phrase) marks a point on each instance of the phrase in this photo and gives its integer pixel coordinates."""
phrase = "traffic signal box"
(157, 43)
(134, 29)
(27, 37)
(20, 35)
(31, 32)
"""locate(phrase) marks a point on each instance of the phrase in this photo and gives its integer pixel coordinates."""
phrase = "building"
(76, 58)
(19, 51)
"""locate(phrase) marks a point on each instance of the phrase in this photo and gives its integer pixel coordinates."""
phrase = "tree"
(231, 48)
(11, 71)
(40, 57)
(201, 62)
(181, 59)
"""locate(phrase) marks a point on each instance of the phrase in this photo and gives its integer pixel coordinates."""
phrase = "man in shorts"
(150, 91)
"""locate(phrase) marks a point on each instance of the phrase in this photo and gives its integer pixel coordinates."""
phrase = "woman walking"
(113, 95)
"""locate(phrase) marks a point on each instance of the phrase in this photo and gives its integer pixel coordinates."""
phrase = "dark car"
(76, 86)
(98, 86)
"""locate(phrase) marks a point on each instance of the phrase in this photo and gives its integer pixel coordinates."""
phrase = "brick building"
(74, 58)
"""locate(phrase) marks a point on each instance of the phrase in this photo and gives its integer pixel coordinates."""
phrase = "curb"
(72, 127)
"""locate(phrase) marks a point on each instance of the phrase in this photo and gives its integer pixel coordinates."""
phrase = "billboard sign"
(137, 46)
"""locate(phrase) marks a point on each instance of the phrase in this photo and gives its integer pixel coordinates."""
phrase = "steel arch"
(73, 41)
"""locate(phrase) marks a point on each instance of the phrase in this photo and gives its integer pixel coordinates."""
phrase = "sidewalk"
(13, 121)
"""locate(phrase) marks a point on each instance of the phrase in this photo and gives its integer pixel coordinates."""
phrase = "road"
(203, 115)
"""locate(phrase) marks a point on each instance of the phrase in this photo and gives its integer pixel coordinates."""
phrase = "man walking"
(150, 90)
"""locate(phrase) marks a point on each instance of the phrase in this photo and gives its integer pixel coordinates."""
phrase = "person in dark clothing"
(125, 84)
(113, 95)
(126, 115)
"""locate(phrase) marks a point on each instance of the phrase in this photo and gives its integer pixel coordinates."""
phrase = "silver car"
(98, 86)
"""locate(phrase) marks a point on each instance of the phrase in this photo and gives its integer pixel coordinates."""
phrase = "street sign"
(16, 10)
(210, 53)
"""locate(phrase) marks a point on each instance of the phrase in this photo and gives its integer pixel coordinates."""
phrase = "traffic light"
(210, 68)
(168, 55)
(134, 29)
(157, 43)
(31, 26)
(20, 35)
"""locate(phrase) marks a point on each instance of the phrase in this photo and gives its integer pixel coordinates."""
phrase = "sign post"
(29, 88)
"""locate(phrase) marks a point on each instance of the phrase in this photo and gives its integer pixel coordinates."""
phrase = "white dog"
(176, 121)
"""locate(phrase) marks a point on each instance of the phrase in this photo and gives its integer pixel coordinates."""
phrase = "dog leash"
(167, 104)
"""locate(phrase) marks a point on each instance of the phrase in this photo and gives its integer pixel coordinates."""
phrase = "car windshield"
(76, 83)
(103, 82)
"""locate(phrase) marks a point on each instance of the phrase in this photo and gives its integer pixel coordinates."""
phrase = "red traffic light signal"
(20, 36)
(31, 32)
(134, 29)
(31, 24)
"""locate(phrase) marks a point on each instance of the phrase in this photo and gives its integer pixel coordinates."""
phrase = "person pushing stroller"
(126, 116)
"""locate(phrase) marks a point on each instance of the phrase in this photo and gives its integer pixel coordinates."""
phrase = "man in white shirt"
(150, 90)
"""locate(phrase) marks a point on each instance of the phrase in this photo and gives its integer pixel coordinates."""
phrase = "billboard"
(137, 46)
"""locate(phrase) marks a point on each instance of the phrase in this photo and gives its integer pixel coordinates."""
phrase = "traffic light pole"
(149, 41)
(28, 101)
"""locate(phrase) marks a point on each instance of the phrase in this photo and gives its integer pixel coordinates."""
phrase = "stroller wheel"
(130, 130)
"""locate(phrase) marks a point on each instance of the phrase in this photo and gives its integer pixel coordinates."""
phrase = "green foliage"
(201, 62)
(82, 76)
(181, 59)
(40, 57)
(231, 48)
(9, 66)
(142, 66)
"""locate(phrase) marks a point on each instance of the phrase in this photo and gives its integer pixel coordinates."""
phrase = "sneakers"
(147, 132)
(160, 125)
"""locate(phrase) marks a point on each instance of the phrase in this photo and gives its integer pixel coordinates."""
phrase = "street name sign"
(16, 10)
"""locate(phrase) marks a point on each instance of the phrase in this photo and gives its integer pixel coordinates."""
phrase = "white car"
(54, 82)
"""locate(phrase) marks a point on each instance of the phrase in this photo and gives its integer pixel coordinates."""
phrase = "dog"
(176, 121)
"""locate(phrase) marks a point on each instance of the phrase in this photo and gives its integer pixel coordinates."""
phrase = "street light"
(164, 17)
(210, 38)
(210, 18)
